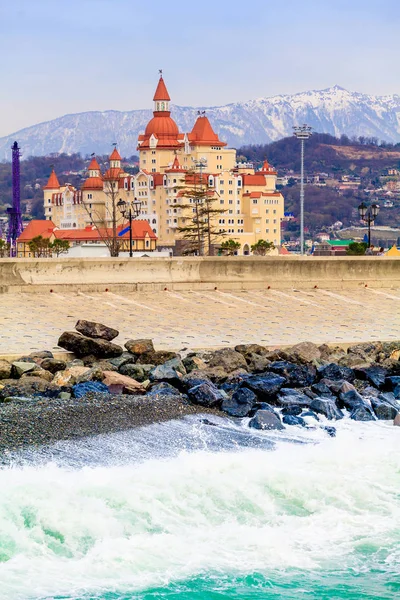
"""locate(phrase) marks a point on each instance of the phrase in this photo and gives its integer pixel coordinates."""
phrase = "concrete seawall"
(229, 273)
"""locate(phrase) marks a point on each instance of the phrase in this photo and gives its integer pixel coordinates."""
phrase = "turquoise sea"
(186, 510)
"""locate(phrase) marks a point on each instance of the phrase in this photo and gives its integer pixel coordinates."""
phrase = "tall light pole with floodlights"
(132, 211)
(302, 132)
(368, 214)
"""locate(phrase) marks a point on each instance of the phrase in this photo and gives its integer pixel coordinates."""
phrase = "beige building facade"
(171, 161)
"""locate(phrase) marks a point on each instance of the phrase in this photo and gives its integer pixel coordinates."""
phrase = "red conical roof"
(115, 155)
(203, 134)
(161, 92)
(94, 165)
(53, 183)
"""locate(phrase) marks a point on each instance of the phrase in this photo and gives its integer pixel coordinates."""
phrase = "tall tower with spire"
(14, 213)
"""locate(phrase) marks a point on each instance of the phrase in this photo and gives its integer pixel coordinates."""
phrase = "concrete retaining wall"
(154, 274)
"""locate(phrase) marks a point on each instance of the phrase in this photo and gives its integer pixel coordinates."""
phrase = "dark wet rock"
(81, 389)
(96, 330)
(138, 372)
(293, 420)
(228, 359)
(392, 382)
(266, 420)
(126, 358)
(163, 389)
(172, 370)
(240, 404)
(53, 365)
(390, 398)
(310, 413)
(295, 375)
(334, 372)
(5, 369)
(141, 346)
(265, 386)
(30, 387)
(384, 410)
(322, 390)
(349, 396)
(216, 374)
(192, 362)
(193, 379)
(291, 397)
(370, 392)
(334, 386)
(261, 406)
(331, 431)
(326, 407)
(367, 350)
(83, 346)
(206, 394)
(295, 410)
(374, 375)
(362, 412)
(21, 367)
(155, 357)
(304, 352)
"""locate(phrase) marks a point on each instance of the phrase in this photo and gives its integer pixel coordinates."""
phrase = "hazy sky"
(67, 56)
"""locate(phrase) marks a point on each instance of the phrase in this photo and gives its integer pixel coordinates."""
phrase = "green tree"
(40, 247)
(356, 248)
(59, 247)
(262, 247)
(229, 247)
(199, 217)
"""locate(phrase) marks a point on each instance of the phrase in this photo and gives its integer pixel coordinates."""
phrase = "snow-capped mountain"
(334, 110)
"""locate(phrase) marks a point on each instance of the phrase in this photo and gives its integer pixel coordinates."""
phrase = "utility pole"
(303, 133)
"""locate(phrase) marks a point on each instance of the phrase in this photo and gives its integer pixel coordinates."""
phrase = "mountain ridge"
(332, 110)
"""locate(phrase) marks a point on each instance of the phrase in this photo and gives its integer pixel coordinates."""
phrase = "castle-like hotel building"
(251, 208)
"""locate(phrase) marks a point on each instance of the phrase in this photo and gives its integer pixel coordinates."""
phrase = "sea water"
(196, 511)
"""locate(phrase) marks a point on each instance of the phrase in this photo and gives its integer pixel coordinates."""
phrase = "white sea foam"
(331, 505)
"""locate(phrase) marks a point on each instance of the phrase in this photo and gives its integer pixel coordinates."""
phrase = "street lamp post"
(131, 210)
(368, 214)
(302, 132)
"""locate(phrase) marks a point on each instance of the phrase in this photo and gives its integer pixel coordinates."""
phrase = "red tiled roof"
(158, 179)
(115, 155)
(161, 92)
(53, 182)
(94, 165)
(93, 183)
(267, 169)
(113, 173)
(256, 179)
(36, 227)
(176, 167)
(203, 134)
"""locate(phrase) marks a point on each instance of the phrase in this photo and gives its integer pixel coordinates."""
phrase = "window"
(153, 152)
(153, 161)
(230, 182)
(221, 182)
(221, 202)
(274, 211)
(230, 201)
(255, 201)
(222, 192)
(239, 183)
(48, 201)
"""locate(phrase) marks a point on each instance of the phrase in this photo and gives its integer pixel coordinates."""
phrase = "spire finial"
(160, 72)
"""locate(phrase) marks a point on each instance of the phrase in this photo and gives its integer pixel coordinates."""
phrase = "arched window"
(246, 250)
(154, 221)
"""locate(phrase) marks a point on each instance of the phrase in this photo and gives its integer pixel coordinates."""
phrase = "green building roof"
(340, 242)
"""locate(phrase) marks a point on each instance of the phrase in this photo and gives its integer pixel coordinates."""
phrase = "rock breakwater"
(107, 388)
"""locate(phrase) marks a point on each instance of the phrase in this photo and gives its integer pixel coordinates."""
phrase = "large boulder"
(39, 372)
(206, 394)
(366, 350)
(288, 397)
(295, 375)
(265, 386)
(362, 412)
(81, 389)
(140, 346)
(155, 357)
(374, 374)
(53, 365)
(349, 397)
(228, 359)
(322, 390)
(163, 389)
(304, 352)
(193, 362)
(41, 354)
(248, 350)
(138, 372)
(240, 404)
(21, 367)
(384, 410)
(266, 420)
(257, 363)
(121, 384)
(96, 330)
(293, 420)
(29, 387)
(326, 407)
(334, 372)
(5, 369)
(83, 346)
(172, 370)
(70, 376)
(126, 358)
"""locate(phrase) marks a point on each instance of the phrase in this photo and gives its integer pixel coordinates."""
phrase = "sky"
(59, 57)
